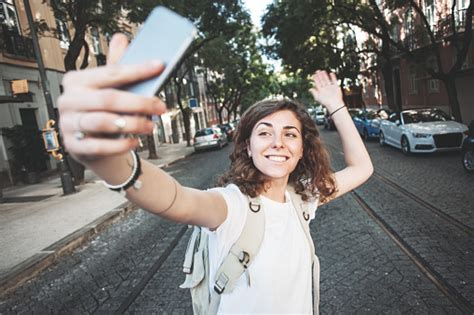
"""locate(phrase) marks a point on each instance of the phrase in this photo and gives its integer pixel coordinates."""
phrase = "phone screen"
(164, 36)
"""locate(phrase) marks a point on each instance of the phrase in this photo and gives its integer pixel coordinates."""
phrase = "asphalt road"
(404, 257)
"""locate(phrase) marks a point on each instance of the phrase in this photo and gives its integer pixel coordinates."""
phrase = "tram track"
(458, 300)
(450, 292)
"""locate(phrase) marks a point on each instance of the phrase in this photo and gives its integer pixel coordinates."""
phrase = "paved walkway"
(38, 223)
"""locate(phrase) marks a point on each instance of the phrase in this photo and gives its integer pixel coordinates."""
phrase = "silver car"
(209, 138)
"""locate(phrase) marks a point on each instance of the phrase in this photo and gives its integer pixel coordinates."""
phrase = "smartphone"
(164, 36)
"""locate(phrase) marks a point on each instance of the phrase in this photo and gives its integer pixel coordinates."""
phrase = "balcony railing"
(14, 44)
(445, 27)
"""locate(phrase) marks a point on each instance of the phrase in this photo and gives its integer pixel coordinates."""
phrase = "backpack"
(241, 255)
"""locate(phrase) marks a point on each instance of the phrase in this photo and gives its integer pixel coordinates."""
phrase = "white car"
(319, 117)
(422, 130)
(209, 138)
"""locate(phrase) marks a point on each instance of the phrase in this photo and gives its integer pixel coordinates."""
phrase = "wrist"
(337, 109)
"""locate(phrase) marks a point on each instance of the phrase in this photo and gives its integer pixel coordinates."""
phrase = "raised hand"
(326, 90)
(92, 107)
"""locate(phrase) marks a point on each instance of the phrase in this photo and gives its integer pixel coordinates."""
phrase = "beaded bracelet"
(337, 110)
(133, 179)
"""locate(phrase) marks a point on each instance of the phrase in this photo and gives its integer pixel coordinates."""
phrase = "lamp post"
(66, 178)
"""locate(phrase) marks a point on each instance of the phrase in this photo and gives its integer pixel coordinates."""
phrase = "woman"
(277, 144)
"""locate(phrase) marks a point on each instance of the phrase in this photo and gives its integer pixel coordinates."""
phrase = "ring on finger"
(79, 134)
(120, 123)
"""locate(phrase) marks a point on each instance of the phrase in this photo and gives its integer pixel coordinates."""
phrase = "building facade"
(412, 84)
(27, 106)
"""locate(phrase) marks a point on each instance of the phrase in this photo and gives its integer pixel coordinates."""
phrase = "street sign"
(192, 102)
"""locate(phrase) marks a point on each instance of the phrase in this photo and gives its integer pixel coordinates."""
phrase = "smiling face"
(276, 145)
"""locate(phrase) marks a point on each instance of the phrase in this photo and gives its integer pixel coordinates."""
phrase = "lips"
(276, 158)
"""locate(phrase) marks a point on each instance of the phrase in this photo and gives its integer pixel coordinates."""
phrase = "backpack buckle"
(254, 206)
(220, 284)
(244, 258)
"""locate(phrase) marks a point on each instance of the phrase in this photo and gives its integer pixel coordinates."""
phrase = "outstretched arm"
(92, 106)
(358, 164)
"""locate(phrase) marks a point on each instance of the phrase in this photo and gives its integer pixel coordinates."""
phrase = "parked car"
(329, 123)
(367, 122)
(422, 130)
(318, 117)
(228, 129)
(468, 150)
(209, 138)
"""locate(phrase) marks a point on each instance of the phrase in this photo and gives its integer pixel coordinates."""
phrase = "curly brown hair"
(312, 177)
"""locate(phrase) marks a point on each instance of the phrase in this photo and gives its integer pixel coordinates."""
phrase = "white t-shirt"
(280, 275)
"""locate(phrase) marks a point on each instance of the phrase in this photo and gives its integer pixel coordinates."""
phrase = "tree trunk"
(75, 47)
(387, 74)
(185, 114)
(450, 84)
(150, 142)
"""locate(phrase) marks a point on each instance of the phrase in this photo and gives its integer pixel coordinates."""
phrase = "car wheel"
(365, 135)
(468, 160)
(381, 139)
(405, 145)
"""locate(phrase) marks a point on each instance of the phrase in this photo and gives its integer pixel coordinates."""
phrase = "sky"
(256, 8)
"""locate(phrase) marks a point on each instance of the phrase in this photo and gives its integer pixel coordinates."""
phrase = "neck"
(275, 190)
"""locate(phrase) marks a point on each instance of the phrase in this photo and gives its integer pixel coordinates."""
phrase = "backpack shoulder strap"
(241, 254)
(302, 211)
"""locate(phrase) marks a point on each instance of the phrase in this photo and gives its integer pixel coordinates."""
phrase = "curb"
(34, 265)
(31, 267)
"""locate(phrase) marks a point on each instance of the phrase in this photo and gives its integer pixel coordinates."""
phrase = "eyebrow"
(270, 125)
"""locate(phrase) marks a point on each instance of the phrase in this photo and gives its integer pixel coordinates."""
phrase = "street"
(401, 243)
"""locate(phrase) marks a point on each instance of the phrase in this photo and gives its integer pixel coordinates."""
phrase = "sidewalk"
(38, 224)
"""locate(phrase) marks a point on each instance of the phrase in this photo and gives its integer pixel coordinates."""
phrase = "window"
(460, 12)
(409, 29)
(430, 12)
(394, 117)
(63, 33)
(433, 84)
(96, 47)
(8, 16)
(412, 81)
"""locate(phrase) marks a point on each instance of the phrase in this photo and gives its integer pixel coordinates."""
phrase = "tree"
(431, 38)
(307, 35)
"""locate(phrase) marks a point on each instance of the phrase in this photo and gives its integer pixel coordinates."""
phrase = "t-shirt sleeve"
(228, 232)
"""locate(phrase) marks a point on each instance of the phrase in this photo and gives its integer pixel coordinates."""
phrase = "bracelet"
(337, 110)
(133, 179)
(174, 199)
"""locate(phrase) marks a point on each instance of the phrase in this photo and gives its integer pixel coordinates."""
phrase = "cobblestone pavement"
(362, 270)
(440, 180)
(100, 276)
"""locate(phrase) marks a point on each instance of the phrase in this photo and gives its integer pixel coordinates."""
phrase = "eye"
(264, 133)
(291, 135)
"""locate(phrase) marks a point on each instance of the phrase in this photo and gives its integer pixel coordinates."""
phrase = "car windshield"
(372, 114)
(413, 116)
(204, 132)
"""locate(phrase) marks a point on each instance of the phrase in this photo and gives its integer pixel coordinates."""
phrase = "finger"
(90, 147)
(101, 122)
(333, 78)
(112, 76)
(117, 47)
(110, 100)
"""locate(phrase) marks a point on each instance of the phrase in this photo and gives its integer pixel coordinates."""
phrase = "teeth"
(277, 158)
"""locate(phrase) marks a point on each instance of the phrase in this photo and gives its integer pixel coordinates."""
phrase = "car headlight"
(420, 135)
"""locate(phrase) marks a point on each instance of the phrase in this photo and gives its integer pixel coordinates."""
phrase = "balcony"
(16, 45)
(445, 28)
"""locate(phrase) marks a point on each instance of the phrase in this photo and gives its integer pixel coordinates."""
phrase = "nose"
(277, 142)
